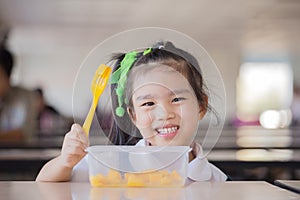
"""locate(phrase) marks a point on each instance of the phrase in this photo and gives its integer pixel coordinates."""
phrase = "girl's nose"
(164, 112)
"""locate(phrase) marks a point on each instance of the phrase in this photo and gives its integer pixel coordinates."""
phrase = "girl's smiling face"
(164, 107)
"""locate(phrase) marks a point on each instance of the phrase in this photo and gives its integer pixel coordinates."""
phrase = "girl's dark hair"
(166, 54)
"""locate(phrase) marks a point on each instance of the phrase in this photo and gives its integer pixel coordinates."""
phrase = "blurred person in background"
(50, 120)
(18, 111)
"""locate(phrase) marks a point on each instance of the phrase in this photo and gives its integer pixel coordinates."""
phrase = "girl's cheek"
(144, 120)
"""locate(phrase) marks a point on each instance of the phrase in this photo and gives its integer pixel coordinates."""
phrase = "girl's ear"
(132, 115)
(201, 113)
(203, 108)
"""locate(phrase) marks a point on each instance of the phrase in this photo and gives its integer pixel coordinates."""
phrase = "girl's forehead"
(156, 71)
(162, 76)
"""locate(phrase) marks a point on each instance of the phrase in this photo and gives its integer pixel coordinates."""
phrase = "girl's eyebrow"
(179, 91)
(143, 97)
(171, 93)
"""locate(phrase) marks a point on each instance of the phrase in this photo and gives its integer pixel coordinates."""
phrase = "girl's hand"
(75, 142)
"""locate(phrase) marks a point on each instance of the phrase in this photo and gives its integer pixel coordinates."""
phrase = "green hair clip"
(147, 51)
(120, 77)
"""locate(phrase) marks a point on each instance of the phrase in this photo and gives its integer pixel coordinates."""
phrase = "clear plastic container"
(136, 166)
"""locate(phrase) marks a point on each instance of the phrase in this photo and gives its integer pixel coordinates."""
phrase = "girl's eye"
(177, 99)
(148, 104)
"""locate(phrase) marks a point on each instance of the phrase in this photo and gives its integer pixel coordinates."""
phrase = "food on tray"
(113, 178)
(146, 179)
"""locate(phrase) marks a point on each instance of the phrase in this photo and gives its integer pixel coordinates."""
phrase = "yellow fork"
(98, 85)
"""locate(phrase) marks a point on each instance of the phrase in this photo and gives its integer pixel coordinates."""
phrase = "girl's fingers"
(76, 134)
(72, 149)
(75, 148)
(80, 134)
(74, 143)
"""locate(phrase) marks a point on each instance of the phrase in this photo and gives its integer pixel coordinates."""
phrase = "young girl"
(156, 93)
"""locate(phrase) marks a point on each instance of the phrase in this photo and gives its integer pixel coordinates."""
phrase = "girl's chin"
(173, 142)
(163, 140)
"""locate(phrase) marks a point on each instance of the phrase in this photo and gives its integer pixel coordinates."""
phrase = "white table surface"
(199, 190)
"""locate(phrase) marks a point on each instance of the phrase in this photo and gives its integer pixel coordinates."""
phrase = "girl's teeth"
(167, 130)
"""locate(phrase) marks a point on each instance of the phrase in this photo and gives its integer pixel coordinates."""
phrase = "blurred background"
(255, 44)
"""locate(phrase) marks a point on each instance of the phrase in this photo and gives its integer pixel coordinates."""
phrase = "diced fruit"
(137, 180)
(98, 180)
(151, 179)
(155, 178)
(114, 177)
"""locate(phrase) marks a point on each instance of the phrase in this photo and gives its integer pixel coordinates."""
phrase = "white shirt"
(199, 169)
